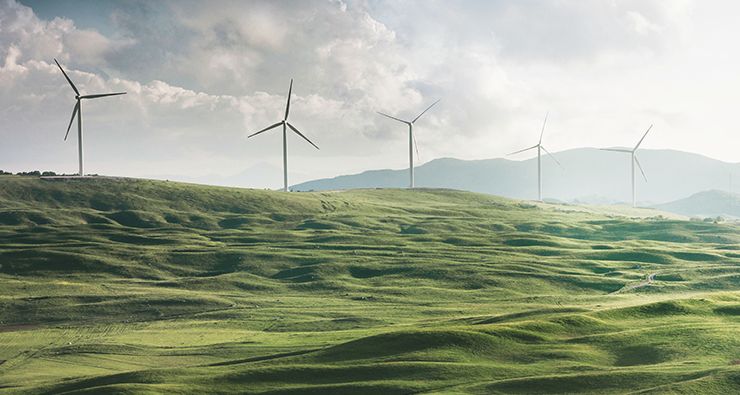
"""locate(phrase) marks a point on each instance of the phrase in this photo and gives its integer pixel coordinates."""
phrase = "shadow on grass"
(529, 314)
(263, 358)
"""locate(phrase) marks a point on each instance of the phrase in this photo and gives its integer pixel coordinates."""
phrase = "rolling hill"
(260, 176)
(162, 287)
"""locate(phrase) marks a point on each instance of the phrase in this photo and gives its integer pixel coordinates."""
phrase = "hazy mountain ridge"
(591, 175)
(705, 204)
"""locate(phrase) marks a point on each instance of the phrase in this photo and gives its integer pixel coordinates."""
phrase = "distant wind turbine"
(634, 160)
(412, 139)
(78, 111)
(540, 147)
(285, 124)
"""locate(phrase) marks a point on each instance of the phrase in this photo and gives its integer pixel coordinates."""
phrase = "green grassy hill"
(160, 287)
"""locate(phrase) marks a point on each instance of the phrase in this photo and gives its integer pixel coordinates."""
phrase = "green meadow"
(154, 287)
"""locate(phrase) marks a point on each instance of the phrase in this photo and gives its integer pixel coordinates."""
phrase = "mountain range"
(679, 182)
(591, 176)
(714, 203)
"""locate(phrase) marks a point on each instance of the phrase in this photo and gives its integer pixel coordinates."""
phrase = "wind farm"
(369, 273)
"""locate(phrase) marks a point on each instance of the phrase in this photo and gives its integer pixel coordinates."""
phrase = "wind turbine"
(285, 124)
(634, 160)
(78, 111)
(539, 159)
(412, 139)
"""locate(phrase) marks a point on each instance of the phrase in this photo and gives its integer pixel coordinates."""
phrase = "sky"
(201, 76)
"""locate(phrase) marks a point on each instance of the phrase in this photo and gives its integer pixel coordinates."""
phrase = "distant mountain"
(592, 176)
(259, 176)
(705, 204)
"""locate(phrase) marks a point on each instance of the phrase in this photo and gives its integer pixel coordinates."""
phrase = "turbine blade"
(616, 150)
(643, 137)
(526, 149)
(300, 134)
(553, 158)
(399, 120)
(422, 113)
(287, 107)
(266, 129)
(74, 112)
(543, 127)
(638, 165)
(101, 95)
(68, 80)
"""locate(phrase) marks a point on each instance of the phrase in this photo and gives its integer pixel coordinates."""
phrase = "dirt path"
(651, 279)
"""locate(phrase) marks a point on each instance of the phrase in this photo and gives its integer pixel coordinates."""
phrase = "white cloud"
(200, 76)
(43, 40)
(641, 25)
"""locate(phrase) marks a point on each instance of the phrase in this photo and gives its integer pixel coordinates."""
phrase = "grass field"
(153, 287)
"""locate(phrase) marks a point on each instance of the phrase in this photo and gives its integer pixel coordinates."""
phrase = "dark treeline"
(32, 173)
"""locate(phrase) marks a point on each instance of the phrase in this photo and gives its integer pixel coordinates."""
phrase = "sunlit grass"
(159, 287)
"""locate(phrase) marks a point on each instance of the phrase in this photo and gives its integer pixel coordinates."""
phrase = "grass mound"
(159, 287)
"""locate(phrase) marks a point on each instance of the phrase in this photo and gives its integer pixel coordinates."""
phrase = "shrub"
(29, 173)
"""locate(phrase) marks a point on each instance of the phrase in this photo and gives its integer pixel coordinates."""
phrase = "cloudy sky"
(202, 75)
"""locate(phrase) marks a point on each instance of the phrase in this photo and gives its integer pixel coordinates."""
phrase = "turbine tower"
(78, 111)
(412, 139)
(540, 148)
(286, 125)
(634, 160)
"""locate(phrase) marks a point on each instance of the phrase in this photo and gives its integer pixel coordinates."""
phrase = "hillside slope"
(162, 287)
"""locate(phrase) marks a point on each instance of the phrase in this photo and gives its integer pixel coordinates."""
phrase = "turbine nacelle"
(285, 124)
(633, 161)
(412, 138)
(539, 144)
(632, 151)
(539, 147)
(77, 111)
